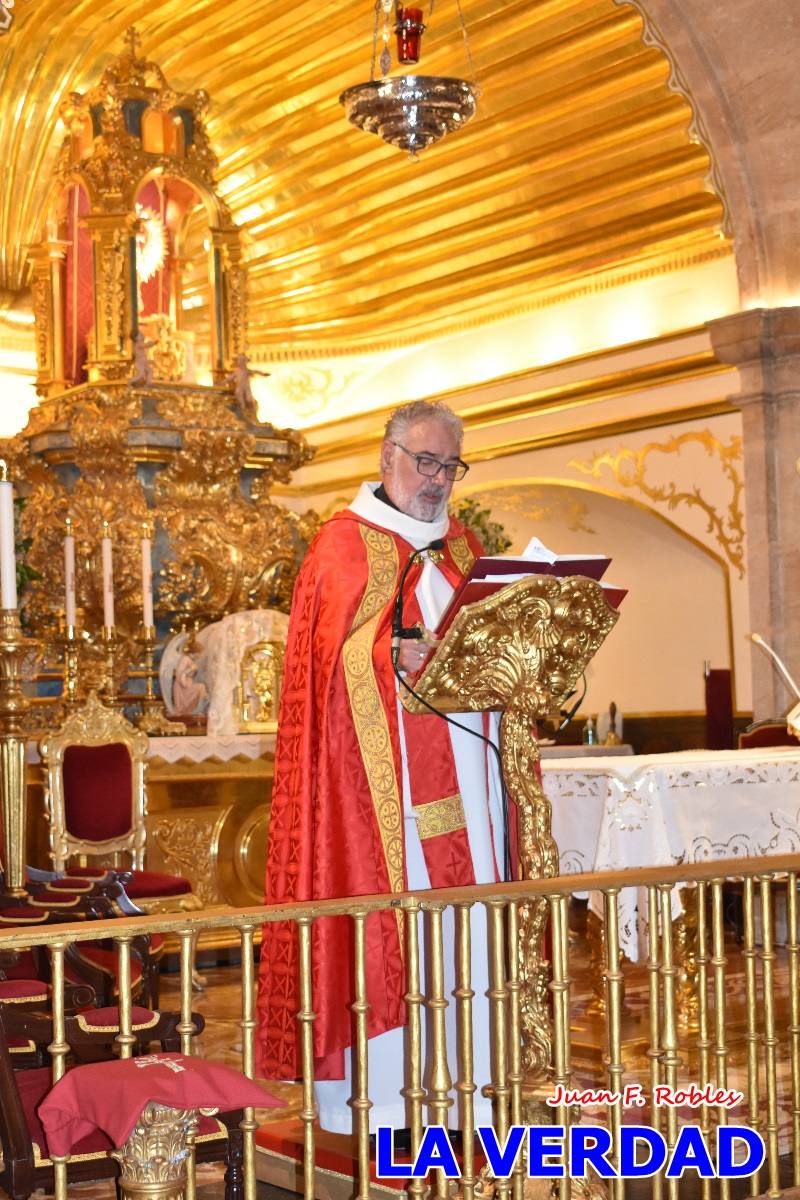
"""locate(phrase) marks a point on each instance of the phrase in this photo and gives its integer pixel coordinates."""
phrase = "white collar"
(417, 533)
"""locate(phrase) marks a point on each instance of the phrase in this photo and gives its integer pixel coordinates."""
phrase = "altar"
(664, 809)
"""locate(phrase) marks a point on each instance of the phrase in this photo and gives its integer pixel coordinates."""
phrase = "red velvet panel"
(98, 786)
(23, 968)
(143, 884)
(79, 289)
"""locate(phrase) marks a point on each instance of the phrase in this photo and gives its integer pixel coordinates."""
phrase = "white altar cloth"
(198, 747)
(204, 748)
(664, 809)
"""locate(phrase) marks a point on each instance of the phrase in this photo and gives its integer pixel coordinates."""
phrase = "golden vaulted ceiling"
(582, 160)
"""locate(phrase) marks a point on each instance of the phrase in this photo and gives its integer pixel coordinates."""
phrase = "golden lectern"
(520, 651)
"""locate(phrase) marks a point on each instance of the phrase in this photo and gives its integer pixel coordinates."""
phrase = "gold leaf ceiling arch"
(581, 160)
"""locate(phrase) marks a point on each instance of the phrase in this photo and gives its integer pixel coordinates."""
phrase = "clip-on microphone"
(399, 631)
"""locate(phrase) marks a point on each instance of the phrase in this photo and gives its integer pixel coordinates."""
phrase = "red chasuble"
(336, 826)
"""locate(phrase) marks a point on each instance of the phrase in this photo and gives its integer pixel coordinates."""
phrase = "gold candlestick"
(13, 799)
(69, 646)
(111, 644)
(153, 720)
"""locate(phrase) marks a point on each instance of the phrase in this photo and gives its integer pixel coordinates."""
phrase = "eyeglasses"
(430, 466)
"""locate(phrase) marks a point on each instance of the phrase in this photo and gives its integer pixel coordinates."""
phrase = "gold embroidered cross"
(153, 1060)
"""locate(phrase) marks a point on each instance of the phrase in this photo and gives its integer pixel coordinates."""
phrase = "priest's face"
(423, 497)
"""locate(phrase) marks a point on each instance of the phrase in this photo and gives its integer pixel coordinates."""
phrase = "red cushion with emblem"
(111, 1095)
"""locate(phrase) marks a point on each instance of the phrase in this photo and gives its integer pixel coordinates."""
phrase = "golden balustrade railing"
(746, 1035)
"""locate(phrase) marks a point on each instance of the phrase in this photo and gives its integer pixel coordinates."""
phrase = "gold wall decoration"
(629, 469)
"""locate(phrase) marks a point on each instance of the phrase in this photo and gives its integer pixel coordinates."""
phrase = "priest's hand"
(413, 654)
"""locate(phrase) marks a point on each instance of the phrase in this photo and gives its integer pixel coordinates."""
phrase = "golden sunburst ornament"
(409, 111)
(151, 243)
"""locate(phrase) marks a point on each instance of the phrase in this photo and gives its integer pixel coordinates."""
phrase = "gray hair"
(422, 410)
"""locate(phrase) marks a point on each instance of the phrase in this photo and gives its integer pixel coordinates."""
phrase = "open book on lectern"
(492, 572)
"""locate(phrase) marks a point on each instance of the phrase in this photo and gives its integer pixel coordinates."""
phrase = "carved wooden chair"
(96, 803)
(91, 965)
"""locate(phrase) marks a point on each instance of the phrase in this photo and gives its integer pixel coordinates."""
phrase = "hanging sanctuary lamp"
(408, 111)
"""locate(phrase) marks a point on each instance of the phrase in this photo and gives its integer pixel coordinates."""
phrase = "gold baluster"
(186, 1025)
(614, 998)
(752, 1036)
(703, 1039)
(125, 1039)
(306, 1016)
(792, 950)
(361, 1101)
(498, 1006)
(669, 1033)
(560, 988)
(654, 1011)
(248, 1124)
(439, 1098)
(718, 962)
(186, 1030)
(515, 1073)
(466, 1086)
(770, 1038)
(59, 1049)
(414, 1092)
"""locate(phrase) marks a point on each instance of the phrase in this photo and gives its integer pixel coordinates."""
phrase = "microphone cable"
(570, 713)
(397, 633)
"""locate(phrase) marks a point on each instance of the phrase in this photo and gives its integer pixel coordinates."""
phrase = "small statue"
(142, 367)
(239, 378)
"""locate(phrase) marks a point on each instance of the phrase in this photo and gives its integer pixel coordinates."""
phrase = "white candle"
(8, 561)
(69, 575)
(108, 579)
(147, 579)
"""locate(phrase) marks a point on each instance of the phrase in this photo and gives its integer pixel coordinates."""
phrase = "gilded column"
(48, 260)
(110, 358)
(764, 345)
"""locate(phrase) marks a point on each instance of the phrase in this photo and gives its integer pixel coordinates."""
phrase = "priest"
(366, 797)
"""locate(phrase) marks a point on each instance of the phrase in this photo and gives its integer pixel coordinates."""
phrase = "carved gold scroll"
(521, 652)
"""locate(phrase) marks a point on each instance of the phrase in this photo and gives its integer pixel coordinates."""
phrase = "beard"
(426, 505)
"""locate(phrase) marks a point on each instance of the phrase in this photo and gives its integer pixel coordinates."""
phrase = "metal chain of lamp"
(409, 111)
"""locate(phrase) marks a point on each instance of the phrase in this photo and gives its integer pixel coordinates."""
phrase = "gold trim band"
(440, 816)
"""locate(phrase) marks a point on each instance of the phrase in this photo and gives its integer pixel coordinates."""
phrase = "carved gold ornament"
(260, 687)
(630, 468)
(151, 242)
(521, 651)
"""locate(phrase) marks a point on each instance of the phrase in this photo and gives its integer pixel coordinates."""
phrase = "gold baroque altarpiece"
(125, 433)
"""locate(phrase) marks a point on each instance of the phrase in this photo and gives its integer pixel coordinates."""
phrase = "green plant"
(489, 533)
